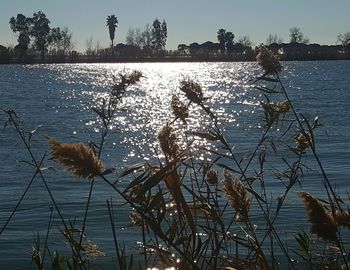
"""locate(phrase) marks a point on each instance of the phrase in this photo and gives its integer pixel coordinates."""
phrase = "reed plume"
(77, 158)
(274, 111)
(92, 251)
(303, 141)
(268, 61)
(180, 110)
(168, 142)
(237, 196)
(192, 90)
(133, 77)
(322, 223)
(135, 218)
(119, 89)
(282, 107)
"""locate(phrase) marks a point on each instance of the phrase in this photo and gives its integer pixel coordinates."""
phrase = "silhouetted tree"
(66, 44)
(4, 55)
(209, 48)
(21, 24)
(146, 38)
(182, 48)
(40, 30)
(194, 48)
(297, 36)
(273, 39)
(159, 35)
(89, 47)
(130, 37)
(138, 37)
(344, 39)
(222, 39)
(245, 41)
(112, 22)
(54, 38)
(229, 36)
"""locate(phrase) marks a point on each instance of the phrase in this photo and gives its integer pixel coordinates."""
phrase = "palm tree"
(112, 25)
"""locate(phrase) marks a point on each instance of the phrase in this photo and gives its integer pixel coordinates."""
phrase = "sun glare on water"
(146, 106)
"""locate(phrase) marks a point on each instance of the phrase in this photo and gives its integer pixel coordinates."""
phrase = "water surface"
(59, 98)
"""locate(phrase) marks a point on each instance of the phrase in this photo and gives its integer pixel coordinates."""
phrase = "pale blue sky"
(188, 20)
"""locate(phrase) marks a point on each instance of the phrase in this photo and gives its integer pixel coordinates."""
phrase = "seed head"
(322, 223)
(303, 141)
(167, 141)
(77, 158)
(92, 250)
(192, 90)
(268, 61)
(133, 77)
(135, 218)
(180, 110)
(237, 196)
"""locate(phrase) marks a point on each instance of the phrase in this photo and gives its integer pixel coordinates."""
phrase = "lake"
(59, 99)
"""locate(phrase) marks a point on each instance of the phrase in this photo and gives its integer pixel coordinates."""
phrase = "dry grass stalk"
(167, 141)
(322, 223)
(192, 90)
(180, 110)
(76, 157)
(268, 61)
(237, 196)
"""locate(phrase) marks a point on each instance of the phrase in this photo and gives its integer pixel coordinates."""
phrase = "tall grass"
(195, 214)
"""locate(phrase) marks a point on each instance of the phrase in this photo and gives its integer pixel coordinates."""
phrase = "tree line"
(39, 42)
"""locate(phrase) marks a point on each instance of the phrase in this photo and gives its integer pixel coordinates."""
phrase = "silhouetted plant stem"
(47, 234)
(85, 217)
(263, 137)
(38, 168)
(148, 220)
(326, 181)
(111, 220)
(22, 197)
(243, 175)
(328, 187)
(144, 242)
(27, 146)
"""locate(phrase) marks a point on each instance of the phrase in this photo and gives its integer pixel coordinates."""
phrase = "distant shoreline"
(97, 60)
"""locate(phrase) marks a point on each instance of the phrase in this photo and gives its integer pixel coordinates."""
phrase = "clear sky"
(188, 20)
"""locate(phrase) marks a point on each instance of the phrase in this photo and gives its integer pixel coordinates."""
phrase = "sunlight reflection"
(145, 107)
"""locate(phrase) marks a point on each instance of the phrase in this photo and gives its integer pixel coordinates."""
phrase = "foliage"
(112, 22)
(21, 24)
(159, 35)
(43, 36)
(40, 31)
(296, 35)
(344, 39)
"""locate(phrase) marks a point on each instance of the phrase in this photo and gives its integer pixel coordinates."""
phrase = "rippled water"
(59, 98)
